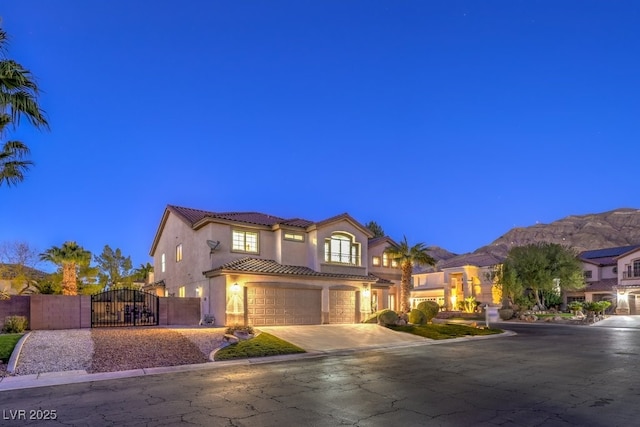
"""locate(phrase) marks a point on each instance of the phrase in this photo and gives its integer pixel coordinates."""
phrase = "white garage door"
(269, 306)
(342, 306)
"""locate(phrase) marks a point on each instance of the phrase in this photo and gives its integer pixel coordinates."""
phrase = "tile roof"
(195, 215)
(375, 240)
(601, 261)
(607, 252)
(478, 259)
(602, 285)
(268, 266)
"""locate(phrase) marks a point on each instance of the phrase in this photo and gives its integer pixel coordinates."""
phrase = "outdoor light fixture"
(366, 291)
(235, 288)
(622, 297)
(198, 291)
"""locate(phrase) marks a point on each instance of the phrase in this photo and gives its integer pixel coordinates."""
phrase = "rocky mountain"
(619, 227)
(440, 254)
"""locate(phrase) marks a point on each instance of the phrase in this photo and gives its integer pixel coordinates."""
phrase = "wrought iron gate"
(124, 307)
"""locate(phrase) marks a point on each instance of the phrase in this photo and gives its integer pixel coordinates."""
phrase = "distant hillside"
(620, 227)
(440, 254)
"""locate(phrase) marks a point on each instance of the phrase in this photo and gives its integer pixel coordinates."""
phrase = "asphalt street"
(546, 375)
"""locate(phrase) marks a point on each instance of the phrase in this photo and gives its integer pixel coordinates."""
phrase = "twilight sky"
(449, 122)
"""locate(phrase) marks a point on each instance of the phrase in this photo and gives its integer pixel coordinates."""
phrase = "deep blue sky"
(448, 121)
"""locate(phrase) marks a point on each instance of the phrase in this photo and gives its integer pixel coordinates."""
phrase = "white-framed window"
(296, 237)
(341, 248)
(244, 241)
(182, 292)
(179, 253)
(375, 261)
(385, 259)
(394, 263)
(163, 263)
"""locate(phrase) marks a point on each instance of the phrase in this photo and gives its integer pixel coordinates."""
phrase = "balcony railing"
(631, 274)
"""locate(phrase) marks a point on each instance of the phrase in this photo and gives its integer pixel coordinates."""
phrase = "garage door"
(342, 306)
(283, 306)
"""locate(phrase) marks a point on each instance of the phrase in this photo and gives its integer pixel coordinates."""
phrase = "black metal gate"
(124, 307)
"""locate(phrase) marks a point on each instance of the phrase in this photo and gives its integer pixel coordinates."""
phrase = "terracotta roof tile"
(256, 218)
(602, 285)
(267, 266)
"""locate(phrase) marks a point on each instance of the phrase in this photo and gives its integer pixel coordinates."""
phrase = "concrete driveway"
(324, 338)
(619, 321)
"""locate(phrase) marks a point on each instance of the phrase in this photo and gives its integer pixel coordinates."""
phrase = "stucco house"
(611, 274)
(457, 278)
(258, 269)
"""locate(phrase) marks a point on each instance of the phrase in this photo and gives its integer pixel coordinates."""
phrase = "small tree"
(375, 229)
(544, 268)
(115, 268)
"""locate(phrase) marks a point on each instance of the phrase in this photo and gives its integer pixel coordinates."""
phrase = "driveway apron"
(322, 338)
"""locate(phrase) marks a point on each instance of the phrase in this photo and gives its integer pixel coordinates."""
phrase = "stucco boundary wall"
(18, 305)
(74, 312)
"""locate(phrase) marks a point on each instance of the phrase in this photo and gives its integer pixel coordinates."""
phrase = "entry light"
(235, 288)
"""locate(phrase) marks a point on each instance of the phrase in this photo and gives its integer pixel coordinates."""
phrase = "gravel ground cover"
(115, 349)
(121, 349)
(54, 351)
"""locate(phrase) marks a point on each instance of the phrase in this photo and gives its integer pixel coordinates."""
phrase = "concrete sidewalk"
(317, 340)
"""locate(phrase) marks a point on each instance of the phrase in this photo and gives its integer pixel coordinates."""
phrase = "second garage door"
(268, 306)
(342, 306)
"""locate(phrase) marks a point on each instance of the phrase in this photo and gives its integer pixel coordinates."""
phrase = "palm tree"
(408, 256)
(18, 99)
(143, 271)
(12, 162)
(68, 257)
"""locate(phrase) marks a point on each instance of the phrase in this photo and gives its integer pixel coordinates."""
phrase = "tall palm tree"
(18, 99)
(13, 164)
(408, 256)
(68, 257)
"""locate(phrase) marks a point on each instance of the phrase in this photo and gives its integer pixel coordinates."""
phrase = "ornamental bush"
(387, 317)
(430, 309)
(15, 324)
(417, 317)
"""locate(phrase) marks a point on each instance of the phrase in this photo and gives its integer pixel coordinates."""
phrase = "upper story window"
(588, 274)
(244, 241)
(385, 260)
(182, 292)
(179, 253)
(341, 248)
(296, 237)
(162, 263)
(394, 263)
(375, 261)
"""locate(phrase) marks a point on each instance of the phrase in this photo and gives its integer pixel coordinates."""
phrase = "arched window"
(341, 248)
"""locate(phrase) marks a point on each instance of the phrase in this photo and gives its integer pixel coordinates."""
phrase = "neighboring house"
(611, 274)
(457, 278)
(258, 269)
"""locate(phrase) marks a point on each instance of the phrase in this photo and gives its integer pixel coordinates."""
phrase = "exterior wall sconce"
(366, 292)
(235, 288)
(198, 292)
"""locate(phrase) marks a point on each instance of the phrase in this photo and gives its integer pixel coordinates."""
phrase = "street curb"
(15, 355)
(74, 377)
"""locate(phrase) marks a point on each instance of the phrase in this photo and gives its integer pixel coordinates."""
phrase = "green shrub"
(387, 317)
(575, 306)
(15, 324)
(373, 318)
(417, 317)
(430, 309)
